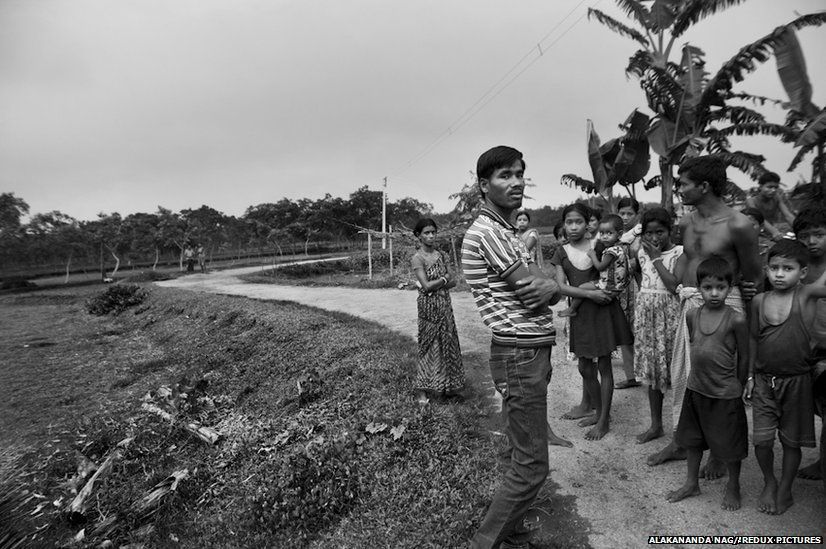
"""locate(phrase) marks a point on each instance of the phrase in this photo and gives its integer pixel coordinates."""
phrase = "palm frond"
(663, 14)
(572, 180)
(756, 99)
(814, 132)
(735, 115)
(749, 56)
(785, 134)
(798, 158)
(617, 27)
(663, 91)
(748, 163)
(638, 63)
(635, 10)
(695, 10)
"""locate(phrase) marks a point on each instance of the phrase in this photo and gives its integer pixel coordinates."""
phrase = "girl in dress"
(597, 329)
(440, 371)
(529, 236)
(629, 210)
(657, 313)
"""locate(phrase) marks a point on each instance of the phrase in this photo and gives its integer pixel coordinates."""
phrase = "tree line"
(54, 240)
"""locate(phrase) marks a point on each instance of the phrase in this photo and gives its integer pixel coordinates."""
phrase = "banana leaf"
(661, 137)
(814, 132)
(595, 159)
(791, 67)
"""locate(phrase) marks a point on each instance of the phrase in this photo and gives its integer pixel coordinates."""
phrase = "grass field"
(321, 445)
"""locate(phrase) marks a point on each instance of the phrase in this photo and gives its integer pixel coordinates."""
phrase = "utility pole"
(384, 215)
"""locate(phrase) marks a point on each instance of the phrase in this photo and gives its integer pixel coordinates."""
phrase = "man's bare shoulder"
(739, 222)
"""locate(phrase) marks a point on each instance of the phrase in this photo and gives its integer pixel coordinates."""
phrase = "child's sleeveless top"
(713, 359)
(782, 349)
(616, 276)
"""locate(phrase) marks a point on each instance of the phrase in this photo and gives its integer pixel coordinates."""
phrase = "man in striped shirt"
(512, 295)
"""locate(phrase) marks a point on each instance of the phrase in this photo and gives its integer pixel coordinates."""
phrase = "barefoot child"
(780, 375)
(713, 415)
(657, 312)
(612, 266)
(597, 329)
(810, 228)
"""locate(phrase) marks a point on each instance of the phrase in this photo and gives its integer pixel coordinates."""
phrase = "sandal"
(627, 384)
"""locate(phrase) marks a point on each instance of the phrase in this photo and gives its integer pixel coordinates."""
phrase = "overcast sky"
(125, 105)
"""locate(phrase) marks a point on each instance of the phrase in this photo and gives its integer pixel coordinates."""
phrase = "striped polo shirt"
(491, 250)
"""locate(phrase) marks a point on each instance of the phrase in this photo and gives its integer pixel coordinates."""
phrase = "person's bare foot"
(599, 431)
(556, 440)
(567, 313)
(577, 412)
(685, 491)
(784, 501)
(672, 452)
(811, 472)
(651, 434)
(767, 503)
(713, 469)
(588, 421)
(731, 498)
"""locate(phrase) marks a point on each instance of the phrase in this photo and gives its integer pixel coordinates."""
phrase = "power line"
(497, 88)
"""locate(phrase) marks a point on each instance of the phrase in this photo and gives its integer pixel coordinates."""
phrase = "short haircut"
(491, 160)
(755, 213)
(559, 230)
(715, 267)
(809, 218)
(597, 213)
(659, 215)
(706, 169)
(768, 177)
(614, 220)
(422, 224)
(525, 213)
(790, 249)
(579, 208)
(628, 202)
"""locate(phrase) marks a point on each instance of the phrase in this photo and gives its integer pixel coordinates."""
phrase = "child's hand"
(748, 289)
(747, 391)
(652, 251)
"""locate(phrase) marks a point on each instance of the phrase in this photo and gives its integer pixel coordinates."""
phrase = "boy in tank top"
(713, 416)
(780, 373)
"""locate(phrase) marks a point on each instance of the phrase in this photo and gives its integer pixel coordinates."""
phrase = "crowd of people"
(701, 309)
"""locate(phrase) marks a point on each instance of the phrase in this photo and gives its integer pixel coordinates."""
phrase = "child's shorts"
(786, 405)
(715, 424)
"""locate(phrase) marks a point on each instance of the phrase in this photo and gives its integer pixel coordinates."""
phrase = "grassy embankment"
(345, 461)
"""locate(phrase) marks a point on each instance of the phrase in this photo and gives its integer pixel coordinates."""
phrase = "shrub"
(116, 299)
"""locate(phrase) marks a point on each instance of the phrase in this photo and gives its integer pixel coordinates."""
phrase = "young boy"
(613, 267)
(780, 375)
(713, 415)
(772, 204)
(810, 228)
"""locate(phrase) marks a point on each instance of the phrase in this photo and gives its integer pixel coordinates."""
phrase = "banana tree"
(624, 160)
(806, 119)
(689, 107)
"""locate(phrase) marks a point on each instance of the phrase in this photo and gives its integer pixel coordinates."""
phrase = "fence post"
(390, 245)
(369, 256)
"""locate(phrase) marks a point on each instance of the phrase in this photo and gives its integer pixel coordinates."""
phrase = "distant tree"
(57, 235)
(108, 232)
(12, 209)
(144, 236)
(207, 225)
(174, 231)
(407, 211)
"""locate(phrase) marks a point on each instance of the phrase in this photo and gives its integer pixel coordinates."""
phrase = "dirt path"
(621, 497)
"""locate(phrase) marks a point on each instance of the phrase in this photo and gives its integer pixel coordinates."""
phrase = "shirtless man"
(712, 229)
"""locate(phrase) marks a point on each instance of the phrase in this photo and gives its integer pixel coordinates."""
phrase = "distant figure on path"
(440, 371)
(512, 295)
(201, 258)
(189, 258)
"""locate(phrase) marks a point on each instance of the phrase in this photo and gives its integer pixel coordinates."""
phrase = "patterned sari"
(440, 368)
